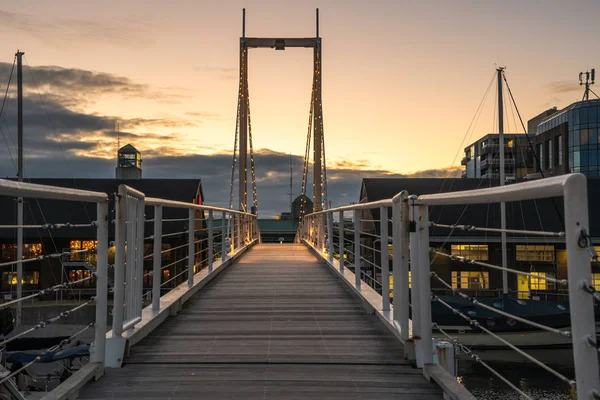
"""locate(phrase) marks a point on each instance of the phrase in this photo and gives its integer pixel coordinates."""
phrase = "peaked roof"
(128, 148)
(54, 211)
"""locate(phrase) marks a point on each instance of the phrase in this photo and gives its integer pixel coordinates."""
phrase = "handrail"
(352, 207)
(152, 201)
(539, 189)
(34, 190)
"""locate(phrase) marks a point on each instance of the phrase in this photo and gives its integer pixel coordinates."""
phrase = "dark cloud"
(215, 172)
(73, 87)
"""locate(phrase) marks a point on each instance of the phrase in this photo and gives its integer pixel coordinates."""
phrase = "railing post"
(239, 232)
(341, 239)
(330, 235)
(416, 284)
(357, 272)
(581, 303)
(98, 354)
(248, 224)
(400, 234)
(157, 258)
(385, 260)
(425, 288)
(210, 241)
(120, 237)
(191, 247)
(224, 229)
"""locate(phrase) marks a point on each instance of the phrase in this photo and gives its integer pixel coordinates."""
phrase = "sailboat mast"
(502, 178)
(20, 179)
(291, 187)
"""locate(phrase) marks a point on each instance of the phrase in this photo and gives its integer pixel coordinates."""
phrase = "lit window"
(392, 282)
(596, 281)
(470, 280)
(470, 251)
(535, 253)
(511, 143)
(541, 284)
(29, 278)
(30, 250)
(89, 244)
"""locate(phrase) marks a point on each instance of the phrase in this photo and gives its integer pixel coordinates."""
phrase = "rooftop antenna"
(588, 82)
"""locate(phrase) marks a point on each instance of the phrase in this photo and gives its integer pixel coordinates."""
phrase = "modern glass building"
(568, 140)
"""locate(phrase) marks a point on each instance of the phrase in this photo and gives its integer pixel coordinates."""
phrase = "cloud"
(78, 88)
(63, 140)
(62, 32)
(561, 87)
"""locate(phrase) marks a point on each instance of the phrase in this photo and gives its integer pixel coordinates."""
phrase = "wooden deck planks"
(275, 325)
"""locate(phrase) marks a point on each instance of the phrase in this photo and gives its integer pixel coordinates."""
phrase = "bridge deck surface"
(275, 325)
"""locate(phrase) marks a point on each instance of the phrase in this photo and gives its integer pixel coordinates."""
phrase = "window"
(30, 250)
(79, 274)
(541, 155)
(510, 143)
(584, 137)
(471, 251)
(470, 280)
(559, 148)
(82, 256)
(535, 253)
(541, 284)
(29, 278)
(549, 146)
(596, 281)
(148, 278)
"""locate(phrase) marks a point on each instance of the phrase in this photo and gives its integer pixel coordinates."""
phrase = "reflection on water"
(536, 382)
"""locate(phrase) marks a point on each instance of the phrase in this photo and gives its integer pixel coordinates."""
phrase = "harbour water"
(534, 381)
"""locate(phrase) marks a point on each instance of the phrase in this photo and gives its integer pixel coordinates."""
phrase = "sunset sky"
(401, 79)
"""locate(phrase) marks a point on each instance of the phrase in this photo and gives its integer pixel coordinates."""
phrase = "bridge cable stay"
(235, 141)
(253, 172)
(306, 160)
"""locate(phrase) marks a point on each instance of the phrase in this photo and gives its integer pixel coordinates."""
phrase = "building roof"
(544, 214)
(54, 211)
(564, 111)
(128, 149)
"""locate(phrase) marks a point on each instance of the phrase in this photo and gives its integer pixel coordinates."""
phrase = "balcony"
(83, 259)
(492, 148)
(465, 160)
(509, 162)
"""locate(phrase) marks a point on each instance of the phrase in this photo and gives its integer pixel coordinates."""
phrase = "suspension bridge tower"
(243, 134)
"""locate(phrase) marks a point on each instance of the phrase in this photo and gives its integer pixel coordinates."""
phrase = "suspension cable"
(253, 173)
(237, 129)
(306, 159)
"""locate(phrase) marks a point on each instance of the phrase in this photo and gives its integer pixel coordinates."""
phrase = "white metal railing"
(414, 232)
(196, 238)
(129, 259)
(37, 192)
(201, 237)
(209, 239)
